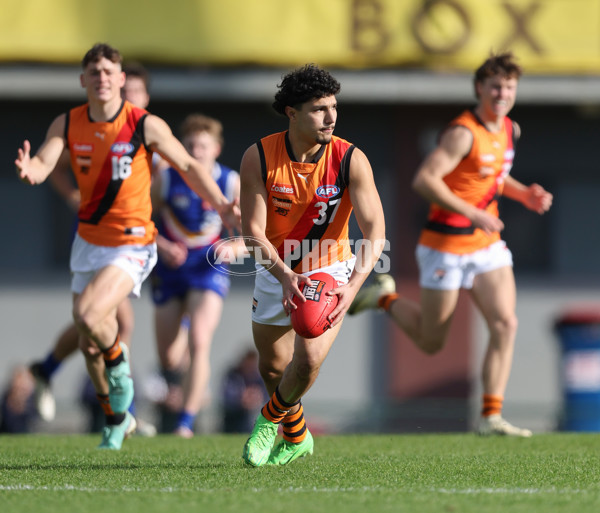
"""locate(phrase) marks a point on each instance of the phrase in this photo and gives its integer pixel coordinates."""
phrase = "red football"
(309, 320)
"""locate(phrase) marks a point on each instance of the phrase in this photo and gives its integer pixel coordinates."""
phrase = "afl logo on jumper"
(328, 191)
(121, 148)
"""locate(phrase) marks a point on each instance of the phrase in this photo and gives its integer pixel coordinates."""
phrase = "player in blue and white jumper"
(191, 278)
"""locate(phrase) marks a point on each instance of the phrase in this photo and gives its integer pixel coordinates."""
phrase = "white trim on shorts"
(439, 270)
(267, 306)
(87, 259)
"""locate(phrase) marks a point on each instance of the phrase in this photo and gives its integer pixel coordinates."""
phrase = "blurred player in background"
(111, 143)
(136, 91)
(187, 280)
(17, 410)
(460, 245)
(283, 199)
(243, 393)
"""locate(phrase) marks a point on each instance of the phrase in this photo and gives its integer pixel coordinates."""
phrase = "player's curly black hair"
(304, 84)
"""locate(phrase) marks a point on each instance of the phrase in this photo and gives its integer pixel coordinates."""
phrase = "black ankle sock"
(113, 420)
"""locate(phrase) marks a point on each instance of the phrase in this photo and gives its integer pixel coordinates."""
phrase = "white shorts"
(87, 259)
(449, 271)
(267, 305)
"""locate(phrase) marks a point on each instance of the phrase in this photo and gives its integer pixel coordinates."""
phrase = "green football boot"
(113, 436)
(285, 452)
(120, 384)
(258, 447)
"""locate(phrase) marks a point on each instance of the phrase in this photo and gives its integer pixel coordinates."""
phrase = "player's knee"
(82, 321)
(505, 327)
(307, 369)
(270, 373)
(85, 316)
(90, 351)
(200, 345)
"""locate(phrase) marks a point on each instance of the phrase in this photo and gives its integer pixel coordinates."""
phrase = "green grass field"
(372, 473)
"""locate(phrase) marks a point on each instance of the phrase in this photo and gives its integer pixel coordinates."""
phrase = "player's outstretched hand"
(232, 217)
(22, 163)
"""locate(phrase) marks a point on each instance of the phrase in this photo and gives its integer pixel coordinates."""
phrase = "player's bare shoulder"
(516, 130)
(155, 129)
(250, 167)
(456, 140)
(360, 167)
(58, 125)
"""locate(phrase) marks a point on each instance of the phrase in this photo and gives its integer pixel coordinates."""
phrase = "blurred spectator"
(18, 408)
(243, 394)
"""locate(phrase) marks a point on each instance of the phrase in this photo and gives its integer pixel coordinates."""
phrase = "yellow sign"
(548, 36)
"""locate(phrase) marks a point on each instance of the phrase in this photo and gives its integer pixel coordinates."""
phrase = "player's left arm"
(369, 215)
(61, 180)
(253, 201)
(160, 138)
(233, 247)
(172, 254)
(534, 196)
(33, 170)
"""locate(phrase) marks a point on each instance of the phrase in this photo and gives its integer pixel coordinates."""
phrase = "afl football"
(309, 320)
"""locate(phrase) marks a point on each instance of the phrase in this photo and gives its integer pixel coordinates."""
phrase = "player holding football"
(110, 142)
(299, 188)
(460, 245)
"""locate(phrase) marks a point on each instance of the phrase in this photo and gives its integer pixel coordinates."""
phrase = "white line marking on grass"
(508, 491)
(335, 489)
